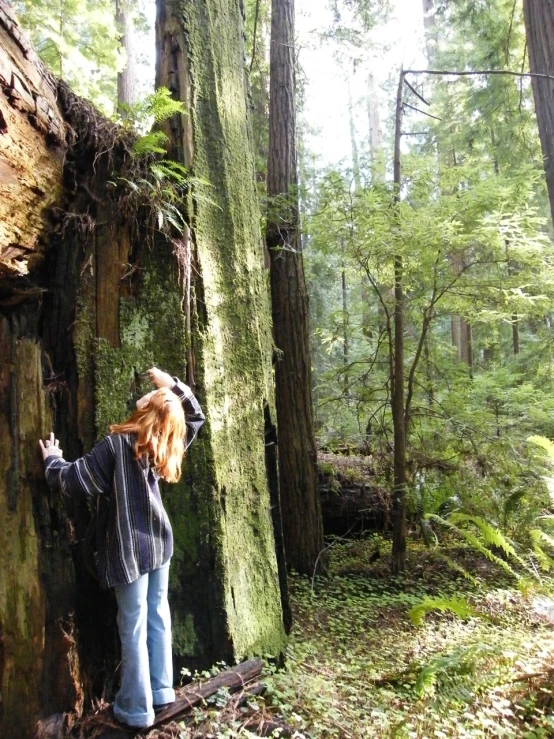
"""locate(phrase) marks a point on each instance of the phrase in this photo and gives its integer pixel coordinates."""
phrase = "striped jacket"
(134, 535)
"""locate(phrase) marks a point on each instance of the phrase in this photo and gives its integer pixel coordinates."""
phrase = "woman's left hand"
(50, 447)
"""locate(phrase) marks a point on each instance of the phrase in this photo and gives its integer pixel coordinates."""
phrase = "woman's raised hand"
(50, 447)
(159, 378)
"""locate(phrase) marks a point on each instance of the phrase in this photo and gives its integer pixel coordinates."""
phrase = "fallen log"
(234, 679)
(352, 501)
(104, 726)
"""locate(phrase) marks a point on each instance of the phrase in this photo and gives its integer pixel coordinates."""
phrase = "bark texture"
(201, 60)
(398, 405)
(126, 78)
(32, 143)
(539, 26)
(100, 303)
(301, 510)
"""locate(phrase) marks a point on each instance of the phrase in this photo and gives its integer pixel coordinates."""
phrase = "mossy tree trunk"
(301, 508)
(86, 305)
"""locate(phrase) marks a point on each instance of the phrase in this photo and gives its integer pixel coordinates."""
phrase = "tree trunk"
(397, 379)
(375, 133)
(345, 358)
(429, 25)
(539, 26)
(88, 305)
(353, 142)
(126, 78)
(302, 525)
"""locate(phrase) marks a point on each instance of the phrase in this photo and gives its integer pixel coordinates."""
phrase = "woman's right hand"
(50, 447)
(160, 378)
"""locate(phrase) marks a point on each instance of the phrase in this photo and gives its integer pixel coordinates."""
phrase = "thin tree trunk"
(377, 177)
(126, 95)
(539, 26)
(302, 524)
(429, 24)
(344, 328)
(375, 133)
(353, 142)
(398, 406)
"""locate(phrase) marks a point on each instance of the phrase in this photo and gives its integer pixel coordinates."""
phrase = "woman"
(135, 542)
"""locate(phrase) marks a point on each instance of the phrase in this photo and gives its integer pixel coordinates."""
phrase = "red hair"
(161, 431)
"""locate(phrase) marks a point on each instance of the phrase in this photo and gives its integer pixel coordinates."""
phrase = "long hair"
(160, 430)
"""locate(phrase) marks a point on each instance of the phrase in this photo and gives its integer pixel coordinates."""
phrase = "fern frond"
(459, 606)
(476, 544)
(538, 537)
(445, 673)
(151, 143)
(458, 568)
(490, 534)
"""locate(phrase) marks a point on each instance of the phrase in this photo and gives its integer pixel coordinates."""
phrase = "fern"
(155, 108)
(473, 541)
(490, 534)
(458, 606)
(151, 143)
(457, 568)
(452, 676)
(539, 538)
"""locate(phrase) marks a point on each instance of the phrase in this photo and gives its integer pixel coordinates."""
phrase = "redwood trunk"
(86, 305)
(399, 541)
(302, 524)
(539, 25)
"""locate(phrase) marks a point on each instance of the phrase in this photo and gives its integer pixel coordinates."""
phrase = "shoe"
(162, 707)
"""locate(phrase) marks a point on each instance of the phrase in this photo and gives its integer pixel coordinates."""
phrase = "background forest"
(412, 210)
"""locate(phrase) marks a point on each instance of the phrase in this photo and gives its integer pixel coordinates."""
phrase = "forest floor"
(358, 667)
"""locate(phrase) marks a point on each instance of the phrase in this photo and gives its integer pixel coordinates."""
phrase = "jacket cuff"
(50, 459)
(182, 390)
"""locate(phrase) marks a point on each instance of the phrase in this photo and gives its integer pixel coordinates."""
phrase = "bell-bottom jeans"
(146, 661)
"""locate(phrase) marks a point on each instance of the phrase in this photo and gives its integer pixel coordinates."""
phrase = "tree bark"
(32, 146)
(539, 26)
(375, 133)
(90, 304)
(200, 60)
(126, 78)
(397, 380)
(302, 525)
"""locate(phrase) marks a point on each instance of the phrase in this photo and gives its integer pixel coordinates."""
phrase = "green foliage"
(157, 184)
(78, 40)
(357, 667)
(447, 674)
(459, 606)
(155, 108)
(489, 537)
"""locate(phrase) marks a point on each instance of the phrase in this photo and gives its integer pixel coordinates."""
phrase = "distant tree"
(126, 77)
(302, 524)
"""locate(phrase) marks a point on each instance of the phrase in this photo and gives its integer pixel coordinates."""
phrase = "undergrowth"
(357, 666)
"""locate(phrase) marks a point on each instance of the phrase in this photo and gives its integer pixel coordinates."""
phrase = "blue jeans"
(146, 661)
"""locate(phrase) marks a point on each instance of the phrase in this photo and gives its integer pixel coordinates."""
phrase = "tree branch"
(476, 73)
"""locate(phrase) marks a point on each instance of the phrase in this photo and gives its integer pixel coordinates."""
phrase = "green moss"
(185, 643)
(151, 333)
(224, 585)
(326, 468)
(236, 342)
